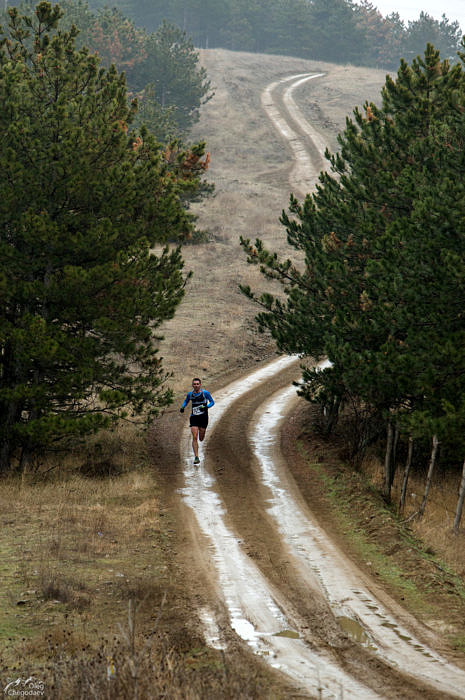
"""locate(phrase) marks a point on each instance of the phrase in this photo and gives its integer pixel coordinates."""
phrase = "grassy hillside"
(213, 329)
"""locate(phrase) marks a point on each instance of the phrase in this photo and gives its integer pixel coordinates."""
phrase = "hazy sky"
(410, 9)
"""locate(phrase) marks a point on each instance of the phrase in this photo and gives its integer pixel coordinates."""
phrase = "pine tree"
(445, 35)
(336, 34)
(83, 199)
(162, 67)
(171, 68)
(383, 236)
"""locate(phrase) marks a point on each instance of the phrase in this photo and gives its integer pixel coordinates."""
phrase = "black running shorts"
(200, 421)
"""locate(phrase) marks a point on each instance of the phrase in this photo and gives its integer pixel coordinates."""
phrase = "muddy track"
(256, 586)
(297, 592)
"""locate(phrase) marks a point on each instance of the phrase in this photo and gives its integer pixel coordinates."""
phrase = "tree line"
(85, 195)
(339, 31)
(382, 291)
(161, 67)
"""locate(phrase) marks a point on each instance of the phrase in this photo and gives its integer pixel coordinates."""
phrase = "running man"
(201, 401)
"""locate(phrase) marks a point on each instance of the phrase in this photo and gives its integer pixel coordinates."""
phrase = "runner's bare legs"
(197, 434)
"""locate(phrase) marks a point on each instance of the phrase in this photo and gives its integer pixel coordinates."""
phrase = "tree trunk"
(10, 409)
(26, 459)
(429, 478)
(332, 416)
(5, 454)
(394, 453)
(458, 512)
(388, 462)
(406, 474)
(392, 472)
(6, 448)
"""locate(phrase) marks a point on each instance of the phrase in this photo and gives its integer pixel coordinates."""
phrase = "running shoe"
(196, 460)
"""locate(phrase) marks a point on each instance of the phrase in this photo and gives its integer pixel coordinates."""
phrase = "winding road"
(278, 581)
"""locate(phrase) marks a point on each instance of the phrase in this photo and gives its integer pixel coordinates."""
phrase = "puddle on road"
(212, 632)
(355, 631)
(407, 638)
(392, 625)
(291, 634)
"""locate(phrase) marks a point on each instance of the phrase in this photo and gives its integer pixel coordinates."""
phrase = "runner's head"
(196, 382)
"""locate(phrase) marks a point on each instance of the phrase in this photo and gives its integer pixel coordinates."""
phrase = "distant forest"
(331, 30)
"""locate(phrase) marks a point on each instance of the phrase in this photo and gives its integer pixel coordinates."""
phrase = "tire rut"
(259, 612)
(304, 142)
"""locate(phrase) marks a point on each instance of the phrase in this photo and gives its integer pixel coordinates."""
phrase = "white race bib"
(197, 410)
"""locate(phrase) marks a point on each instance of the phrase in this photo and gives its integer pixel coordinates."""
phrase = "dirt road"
(277, 580)
(307, 145)
(267, 575)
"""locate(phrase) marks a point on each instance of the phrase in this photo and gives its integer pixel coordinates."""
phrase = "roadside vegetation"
(92, 598)
(418, 562)
(85, 197)
(381, 292)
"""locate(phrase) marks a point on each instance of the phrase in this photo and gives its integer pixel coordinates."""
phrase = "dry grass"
(133, 665)
(74, 550)
(75, 547)
(435, 528)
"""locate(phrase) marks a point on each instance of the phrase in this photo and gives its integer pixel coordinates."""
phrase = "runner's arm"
(208, 396)
(186, 401)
